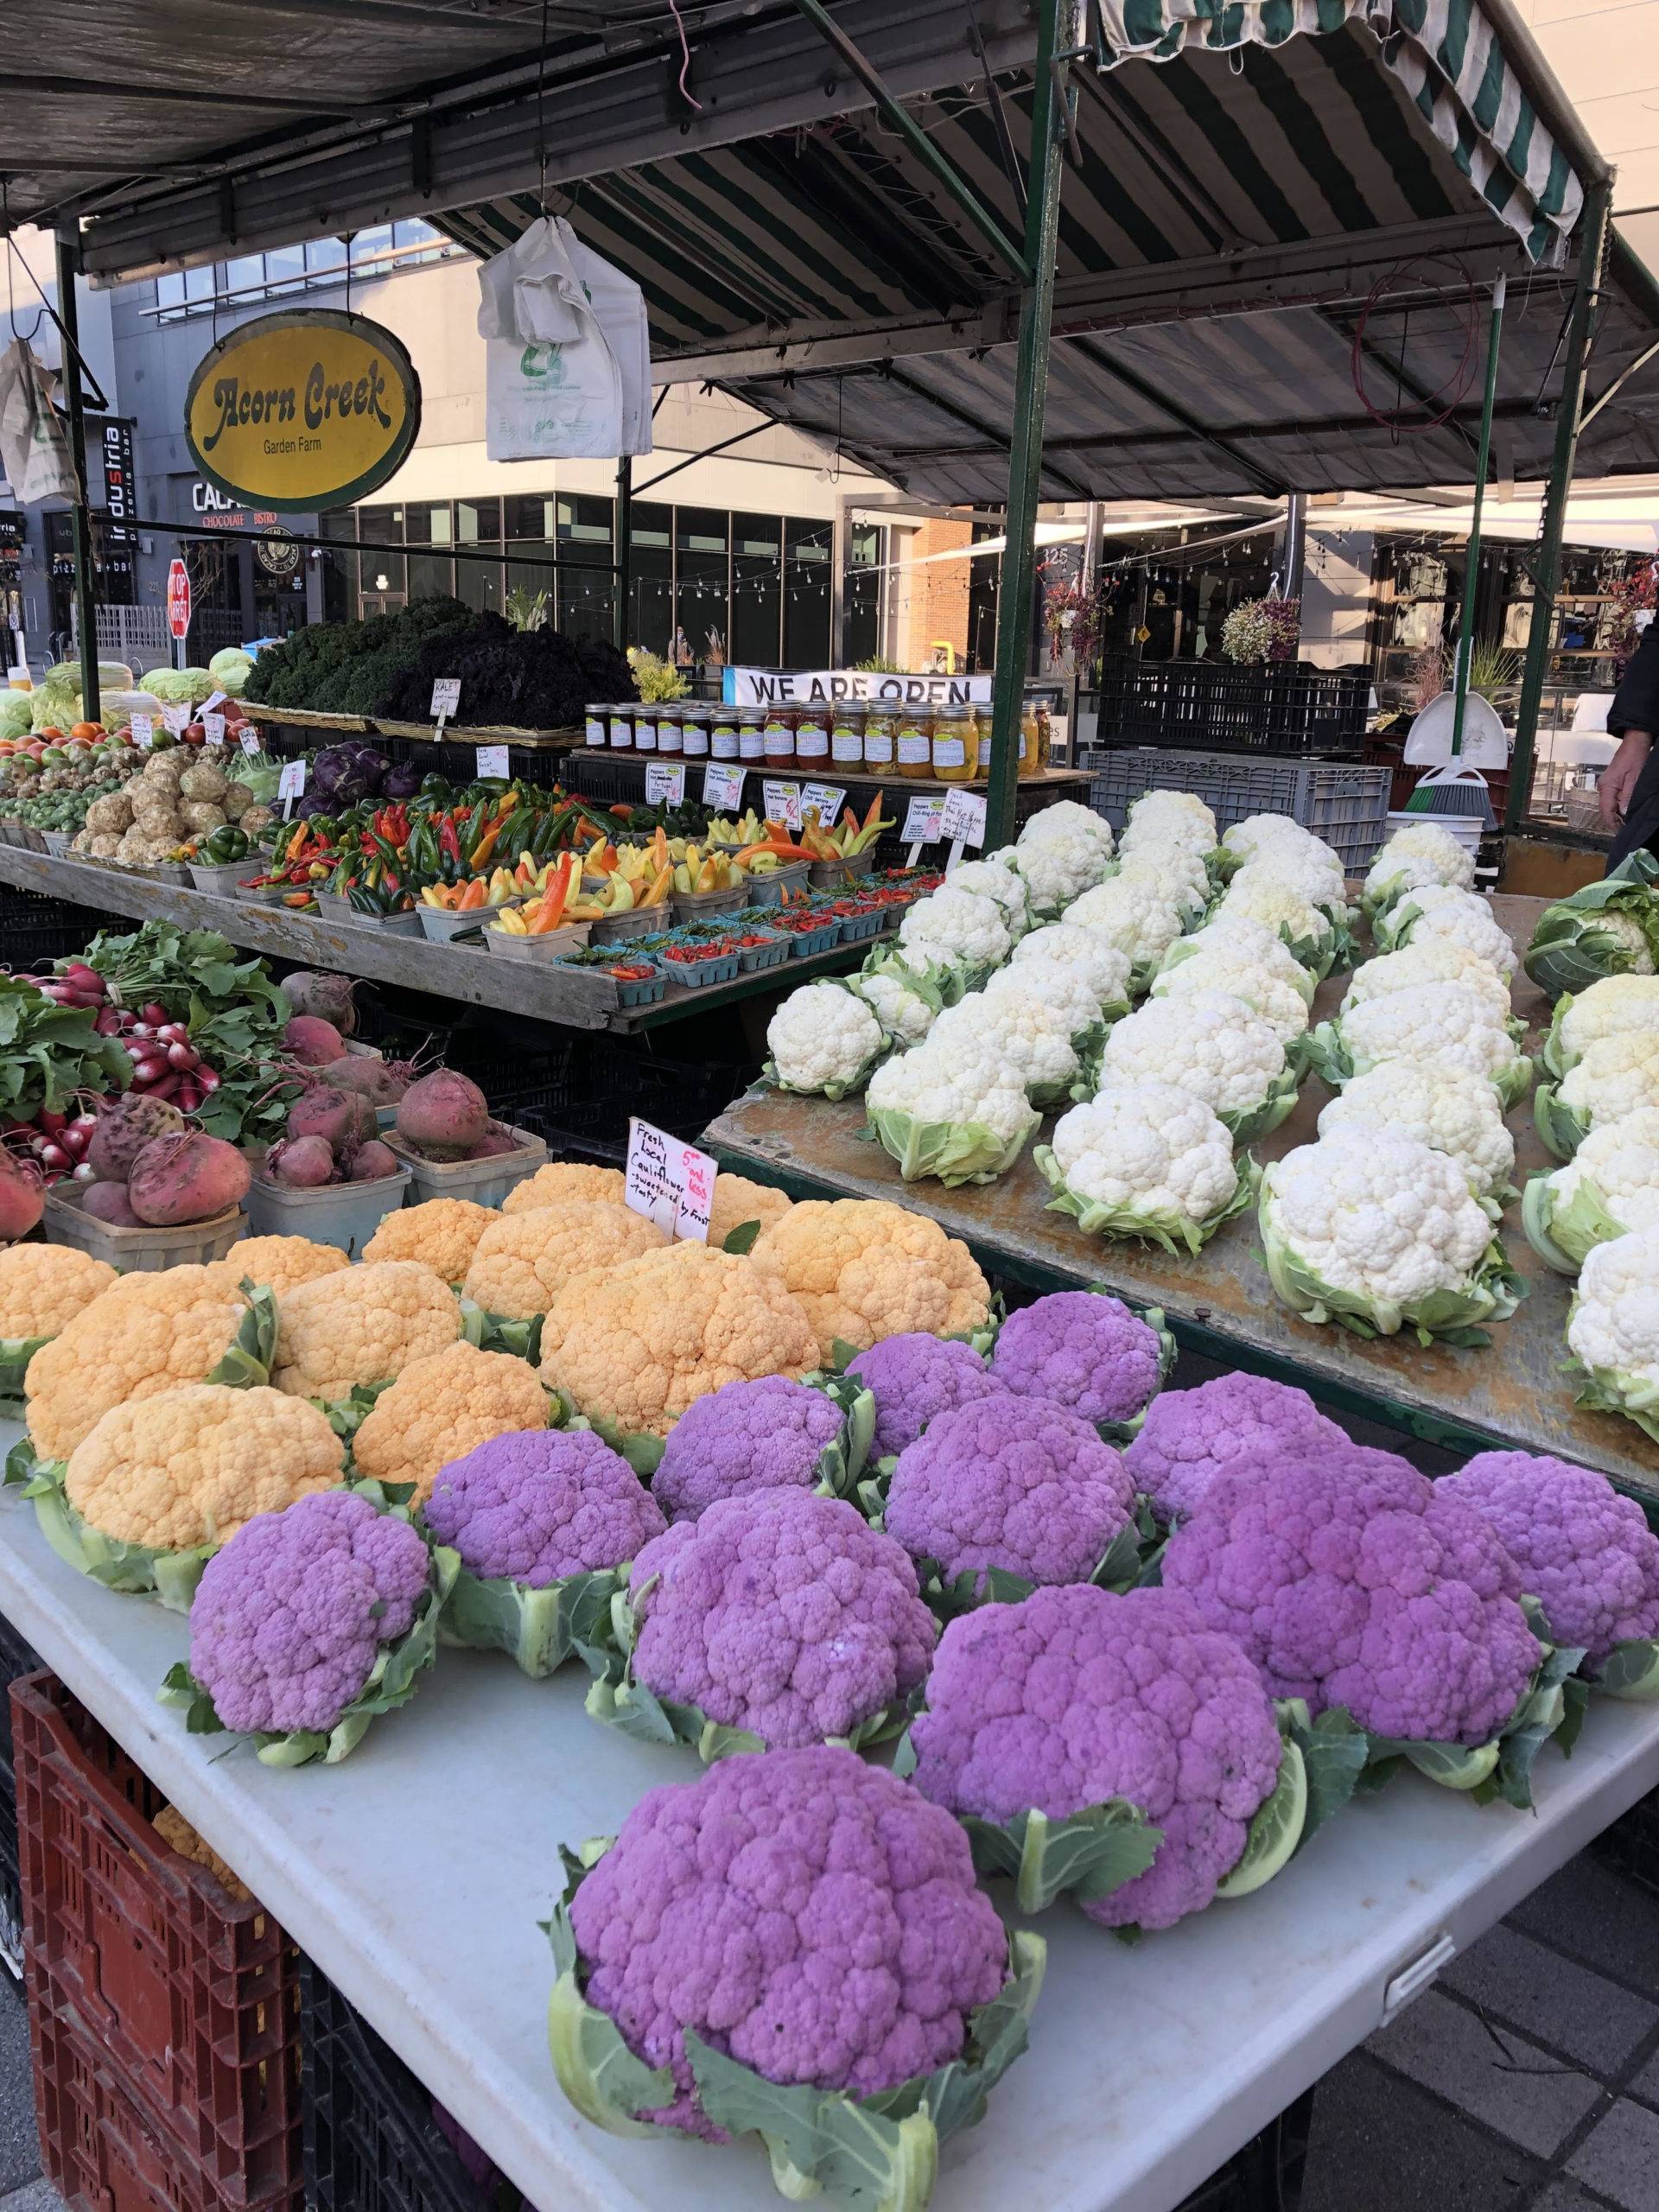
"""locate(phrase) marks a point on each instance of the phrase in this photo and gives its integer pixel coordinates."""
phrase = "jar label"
(912, 748)
(878, 749)
(596, 730)
(948, 752)
(985, 753)
(811, 744)
(644, 737)
(621, 730)
(847, 747)
(750, 746)
(696, 741)
(723, 746)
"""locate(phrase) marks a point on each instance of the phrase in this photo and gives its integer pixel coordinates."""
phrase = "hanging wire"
(1427, 413)
(686, 93)
(11, 273)
(541, 114)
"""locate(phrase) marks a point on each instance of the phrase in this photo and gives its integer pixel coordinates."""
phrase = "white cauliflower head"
(1212, 1045)
(1169, 817)
(1144, 1160)
(1612, 1328)
(1371, 1228)
(1063, 944)
(1061, 851)
(1258, 834)
(1467, 919)
(1606, 1008)
(1422, 853)
(1241, 937)
(958, 1111)
(1318, 881)
(1135, 916)
(1455, 1021)
(905, 1013)
(1451, 1110)
(1065, 819)
(1264, 989)
(1260, 896)
(1609, 1188)
(1177, 871)
(1618, 1076)
(995, 880)
(960, 928)
(1391, 925)
(1431, 960)
(823, 1038)
(1066, 993)
(1031, 1035)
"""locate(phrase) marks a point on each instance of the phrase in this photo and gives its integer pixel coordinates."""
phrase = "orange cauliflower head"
(189, 1467)
(737, 1200)
(442, 1234)
(560, 1181)
(865, 1270)
(43, 1286)
(522, 1262)
(635, 1345)
(282, 1264)
(146, 1333)
(363, 1326)
(443, 1406)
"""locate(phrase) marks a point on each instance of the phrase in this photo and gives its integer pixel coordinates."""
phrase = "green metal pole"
(624, 552)
(86, 612)
(1471, 563)
(1026, 446)
(1548, 571)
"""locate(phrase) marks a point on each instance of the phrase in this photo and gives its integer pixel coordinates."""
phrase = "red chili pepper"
(448, 839)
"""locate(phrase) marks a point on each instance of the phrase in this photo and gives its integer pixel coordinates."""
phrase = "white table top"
(416, 1872)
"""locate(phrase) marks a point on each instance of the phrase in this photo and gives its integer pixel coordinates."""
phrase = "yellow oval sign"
(302, 410)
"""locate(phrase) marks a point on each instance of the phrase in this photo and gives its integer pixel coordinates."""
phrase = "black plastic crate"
(1266, 2176)
(1281, 708)
(1632, 1844)
(36, 929)
(372, 2141)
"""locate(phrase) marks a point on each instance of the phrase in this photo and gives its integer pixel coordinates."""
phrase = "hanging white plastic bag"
(620, 306)
(33, 446)
(532, 291)
(567, 351)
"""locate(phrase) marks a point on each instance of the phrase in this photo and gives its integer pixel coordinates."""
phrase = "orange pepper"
(659, 890)
(473, 894)
(486, 843)
(780, 845)
(874, 814)
(659, 847)
(551, 910)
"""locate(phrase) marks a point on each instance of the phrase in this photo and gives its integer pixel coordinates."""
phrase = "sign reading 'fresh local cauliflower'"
(669, 1181)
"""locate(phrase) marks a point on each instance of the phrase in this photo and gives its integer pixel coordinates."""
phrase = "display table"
(1220, 1303)
(415, 1873)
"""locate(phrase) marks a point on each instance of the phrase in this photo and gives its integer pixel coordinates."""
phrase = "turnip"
(122, 1129)
(187, 1177)
(372, 1162)
(23, 1196)
(108, 1202)
(327, 997)
(339, 1117)
(300, 1163)
(313, 1042)
(443, 1117)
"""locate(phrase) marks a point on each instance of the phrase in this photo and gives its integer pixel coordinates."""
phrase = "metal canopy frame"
(459, 109)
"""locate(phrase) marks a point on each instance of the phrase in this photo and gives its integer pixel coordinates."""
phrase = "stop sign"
(178, 599)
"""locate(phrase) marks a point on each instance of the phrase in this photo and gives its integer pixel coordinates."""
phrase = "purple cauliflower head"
(781, 1612)
(810, 1915)
(913, 1377)
(287, 1619)
(1011, 1482)
(1583, 1551)
(1350, 1579)
(1192, 1436)
(1074, 1696)
(744, 1437)
(540, 1504)
(1080, 1349)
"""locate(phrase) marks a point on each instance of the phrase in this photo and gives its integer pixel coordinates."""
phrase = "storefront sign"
(765, 687)
(306, 410)
(118, 481)
(12, 528)
(277, 555)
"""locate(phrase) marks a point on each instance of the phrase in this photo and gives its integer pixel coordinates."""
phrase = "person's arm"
(1619, 777)
(1632, 719)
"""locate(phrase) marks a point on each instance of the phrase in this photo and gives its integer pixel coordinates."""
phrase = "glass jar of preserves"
(621, 729)
(723, 733)
(644, 730)
(1031, 758)
(847, 736)
(955, 753)
(879, 726)
(670, 743)
(983, 748)
(812, 739)
(596, 729)
(752, 737)
(779, 739)
(914, 742)
(694, 733)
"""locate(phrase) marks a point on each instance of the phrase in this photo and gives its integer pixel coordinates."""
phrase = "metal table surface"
(416, 1872)
(1220, 1303)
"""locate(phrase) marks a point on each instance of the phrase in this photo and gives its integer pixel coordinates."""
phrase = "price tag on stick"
(175, 718)
(493, 761)
(143, 732)
(445, 701)
(290, 786)
(782, 802)
(963, 819)
(669, 1181)
(723, 787)
(923, 819)
(250, 743)
(212, 728)
(829, 799)
(665, 783)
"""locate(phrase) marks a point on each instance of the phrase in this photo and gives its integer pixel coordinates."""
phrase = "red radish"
(108, 1202)
(55, 1156)
(187, 1177)
(148, 1072)
(174, 1033)
(167, 1086)
(328, 997)
(143, 1029)
(301, 1163)
(443, 1115)
(123, 1130)
(181, 1058)
(109, 1023)
(51, 1123)
(186, 1098)
(372, 1162)
(207, 1080)
(313, 1042)
(154, 1013)
(84, 1173)
(22, 1196)
(339, 1117)
(83, 977)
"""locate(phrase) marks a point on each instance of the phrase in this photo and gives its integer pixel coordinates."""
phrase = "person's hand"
(1619, 778)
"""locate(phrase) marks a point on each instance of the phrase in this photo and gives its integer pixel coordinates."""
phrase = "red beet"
(339, 1117)
(313, 1042)
(109, 1201)
(496, 1141)
(123, 1130)
(372, 1162)
(327, 997)
(300, 1163)
(443, 1117)
(381, 1083)
(23, 1196)
(188, 1177)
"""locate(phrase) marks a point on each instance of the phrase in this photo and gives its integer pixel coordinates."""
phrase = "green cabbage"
(1609, 928)
(15, 713)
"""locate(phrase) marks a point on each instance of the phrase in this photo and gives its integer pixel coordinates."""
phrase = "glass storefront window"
(583, 527)
(529, 514)
(702, 580)
(757, 590)
(380, 574)
(861, 587)
(650, 612)
(806, 593)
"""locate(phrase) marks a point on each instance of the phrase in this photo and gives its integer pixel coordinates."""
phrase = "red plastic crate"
(192, 1995)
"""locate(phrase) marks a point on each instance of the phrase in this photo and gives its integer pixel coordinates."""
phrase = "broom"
(1455, 789)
